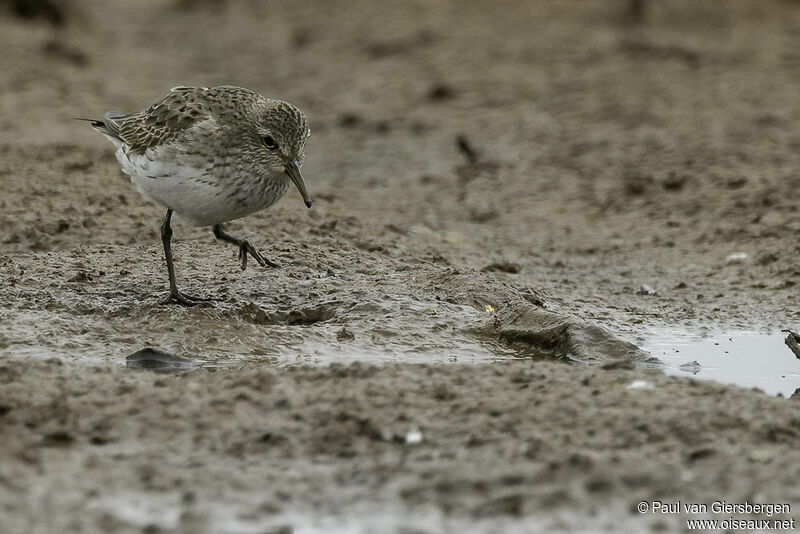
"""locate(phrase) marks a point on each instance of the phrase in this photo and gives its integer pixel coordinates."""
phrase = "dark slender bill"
(293, 171)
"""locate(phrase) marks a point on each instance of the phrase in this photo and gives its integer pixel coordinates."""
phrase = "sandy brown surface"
(492, 186)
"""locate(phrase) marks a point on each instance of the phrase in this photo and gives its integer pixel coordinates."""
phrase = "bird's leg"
(245, 248)
(174, 294)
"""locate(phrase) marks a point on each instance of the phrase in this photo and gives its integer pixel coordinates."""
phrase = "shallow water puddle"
(747, 359)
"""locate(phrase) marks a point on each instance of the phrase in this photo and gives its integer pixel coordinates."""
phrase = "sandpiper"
(211, 155)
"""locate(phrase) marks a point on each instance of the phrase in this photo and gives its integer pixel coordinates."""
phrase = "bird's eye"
(270, 143)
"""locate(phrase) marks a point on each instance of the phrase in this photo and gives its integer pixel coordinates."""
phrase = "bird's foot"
(176, 297)
(246, 248)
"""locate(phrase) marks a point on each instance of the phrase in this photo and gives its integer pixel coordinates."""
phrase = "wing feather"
(159, 124)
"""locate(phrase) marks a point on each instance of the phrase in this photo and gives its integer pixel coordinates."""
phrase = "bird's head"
(280, 133)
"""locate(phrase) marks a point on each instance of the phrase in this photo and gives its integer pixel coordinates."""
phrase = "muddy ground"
(451, 342)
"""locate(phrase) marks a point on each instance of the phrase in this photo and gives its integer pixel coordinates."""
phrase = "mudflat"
(452, 341)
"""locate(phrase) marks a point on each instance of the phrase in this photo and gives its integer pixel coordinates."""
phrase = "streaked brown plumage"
(211, 155)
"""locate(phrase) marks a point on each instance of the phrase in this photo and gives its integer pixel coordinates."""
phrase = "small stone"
(58, 438)
(700, 453)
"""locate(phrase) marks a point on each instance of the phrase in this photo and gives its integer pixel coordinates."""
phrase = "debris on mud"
(150, 358)
(693, 367)
(793, 342)
(644, 289)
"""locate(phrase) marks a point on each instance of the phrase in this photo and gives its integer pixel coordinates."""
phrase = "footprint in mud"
(252, 313)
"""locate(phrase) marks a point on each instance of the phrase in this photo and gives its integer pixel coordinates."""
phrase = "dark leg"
(245, 248)
(174, 295)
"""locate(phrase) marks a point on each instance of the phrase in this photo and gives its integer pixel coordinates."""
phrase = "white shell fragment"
(640, 384)
(413, 436)
(736, 257)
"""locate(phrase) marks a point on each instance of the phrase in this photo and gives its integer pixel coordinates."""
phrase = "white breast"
(193, 187)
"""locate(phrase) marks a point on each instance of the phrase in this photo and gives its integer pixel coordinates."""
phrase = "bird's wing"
(159, 124)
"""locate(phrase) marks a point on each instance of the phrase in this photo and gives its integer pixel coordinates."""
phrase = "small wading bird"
(211, 155)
